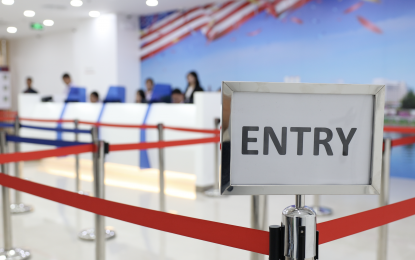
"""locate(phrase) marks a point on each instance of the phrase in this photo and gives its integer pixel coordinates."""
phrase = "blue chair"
(116, 94)
(161, 93)
(76, 94)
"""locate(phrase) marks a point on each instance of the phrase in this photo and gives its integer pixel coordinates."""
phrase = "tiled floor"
(50, 232)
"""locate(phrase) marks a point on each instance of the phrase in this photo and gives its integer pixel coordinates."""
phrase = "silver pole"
(217, 122)
(299, 225)
(18, 207)
(161, 170)
(8, 252)
(89, 234)
(99, 190)
(259, 221)
(78, 179)
(299, 201)
(215, 191)
(7, 221)
(384, 200)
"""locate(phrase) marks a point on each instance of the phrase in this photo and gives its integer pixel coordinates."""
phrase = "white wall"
(128, 58)
(98, 53)
(44, 58)
(95, 53)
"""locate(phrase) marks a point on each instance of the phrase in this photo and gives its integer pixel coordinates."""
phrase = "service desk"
(194, 159)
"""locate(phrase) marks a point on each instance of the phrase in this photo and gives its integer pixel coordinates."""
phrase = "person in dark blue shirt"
(29, 86)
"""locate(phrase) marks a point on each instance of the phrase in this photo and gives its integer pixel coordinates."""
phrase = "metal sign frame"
(373, 188)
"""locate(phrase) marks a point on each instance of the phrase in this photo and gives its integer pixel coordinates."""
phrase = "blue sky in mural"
(328, 47)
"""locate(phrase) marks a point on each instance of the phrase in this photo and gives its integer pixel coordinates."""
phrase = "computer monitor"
(76, 94)
(116, 94)
(161, 93)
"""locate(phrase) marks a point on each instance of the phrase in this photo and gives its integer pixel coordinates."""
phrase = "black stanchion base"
(276, 243)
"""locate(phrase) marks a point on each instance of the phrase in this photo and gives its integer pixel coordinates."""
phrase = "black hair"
(141, 93)
(95, 94)
(176, 91)
(194, 74)
(29, 78)
(66, 75)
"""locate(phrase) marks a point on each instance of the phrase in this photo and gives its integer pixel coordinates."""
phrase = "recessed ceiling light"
(76, 3)
(94, 14)
(48, 22)
(7, 2)
(11, 29)
(152, 2)
(29, 13)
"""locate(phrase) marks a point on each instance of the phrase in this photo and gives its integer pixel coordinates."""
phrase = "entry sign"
(298, 138)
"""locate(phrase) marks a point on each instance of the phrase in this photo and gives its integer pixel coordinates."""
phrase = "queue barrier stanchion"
(8, 252)
(259, 218)
(77, 178)
(292, 240)
(77, 163)
(90, 234)
(18, 206)
(382, 249)
(99, 190)
(162, 196)
(215, 190)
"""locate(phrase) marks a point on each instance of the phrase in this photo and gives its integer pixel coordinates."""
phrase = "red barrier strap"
(399, 129)
(213, 131)
(6, 119)
(219, 233)
(37, 155)
(119, 125)
(353, 224)
(403, 141)
(48, 120)
(224, 234)
(150, 145)
(77, 149)
(206, 131)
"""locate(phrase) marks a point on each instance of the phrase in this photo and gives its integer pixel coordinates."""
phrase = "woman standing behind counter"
(193, 85)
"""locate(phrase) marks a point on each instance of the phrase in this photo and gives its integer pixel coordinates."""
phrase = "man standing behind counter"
(29, 86)
(68, 82)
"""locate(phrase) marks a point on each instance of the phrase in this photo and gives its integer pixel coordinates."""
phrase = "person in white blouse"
(68, 82)
(149, 89)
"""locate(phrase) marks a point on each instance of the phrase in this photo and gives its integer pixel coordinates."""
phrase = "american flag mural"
(160, 31)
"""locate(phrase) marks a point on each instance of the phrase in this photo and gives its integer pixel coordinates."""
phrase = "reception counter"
(193, 159)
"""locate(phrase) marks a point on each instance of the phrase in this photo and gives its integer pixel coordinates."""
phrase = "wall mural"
(326, 41)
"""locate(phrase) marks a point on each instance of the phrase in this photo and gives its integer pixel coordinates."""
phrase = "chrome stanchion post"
(320, 210)
(259, 220)
(77, 177)
(298, 226)
(215, 191)
(8, 252)
(99, 174)
(99, 190)
(18, 206)
(384, 200)
(162, 196)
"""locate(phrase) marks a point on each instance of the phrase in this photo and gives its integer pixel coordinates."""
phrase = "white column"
(207, 109)
(106, 53)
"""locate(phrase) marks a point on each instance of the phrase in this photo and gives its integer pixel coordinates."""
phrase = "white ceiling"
(66, 16)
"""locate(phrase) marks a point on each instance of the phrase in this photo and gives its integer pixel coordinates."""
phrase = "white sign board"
(282, 138)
